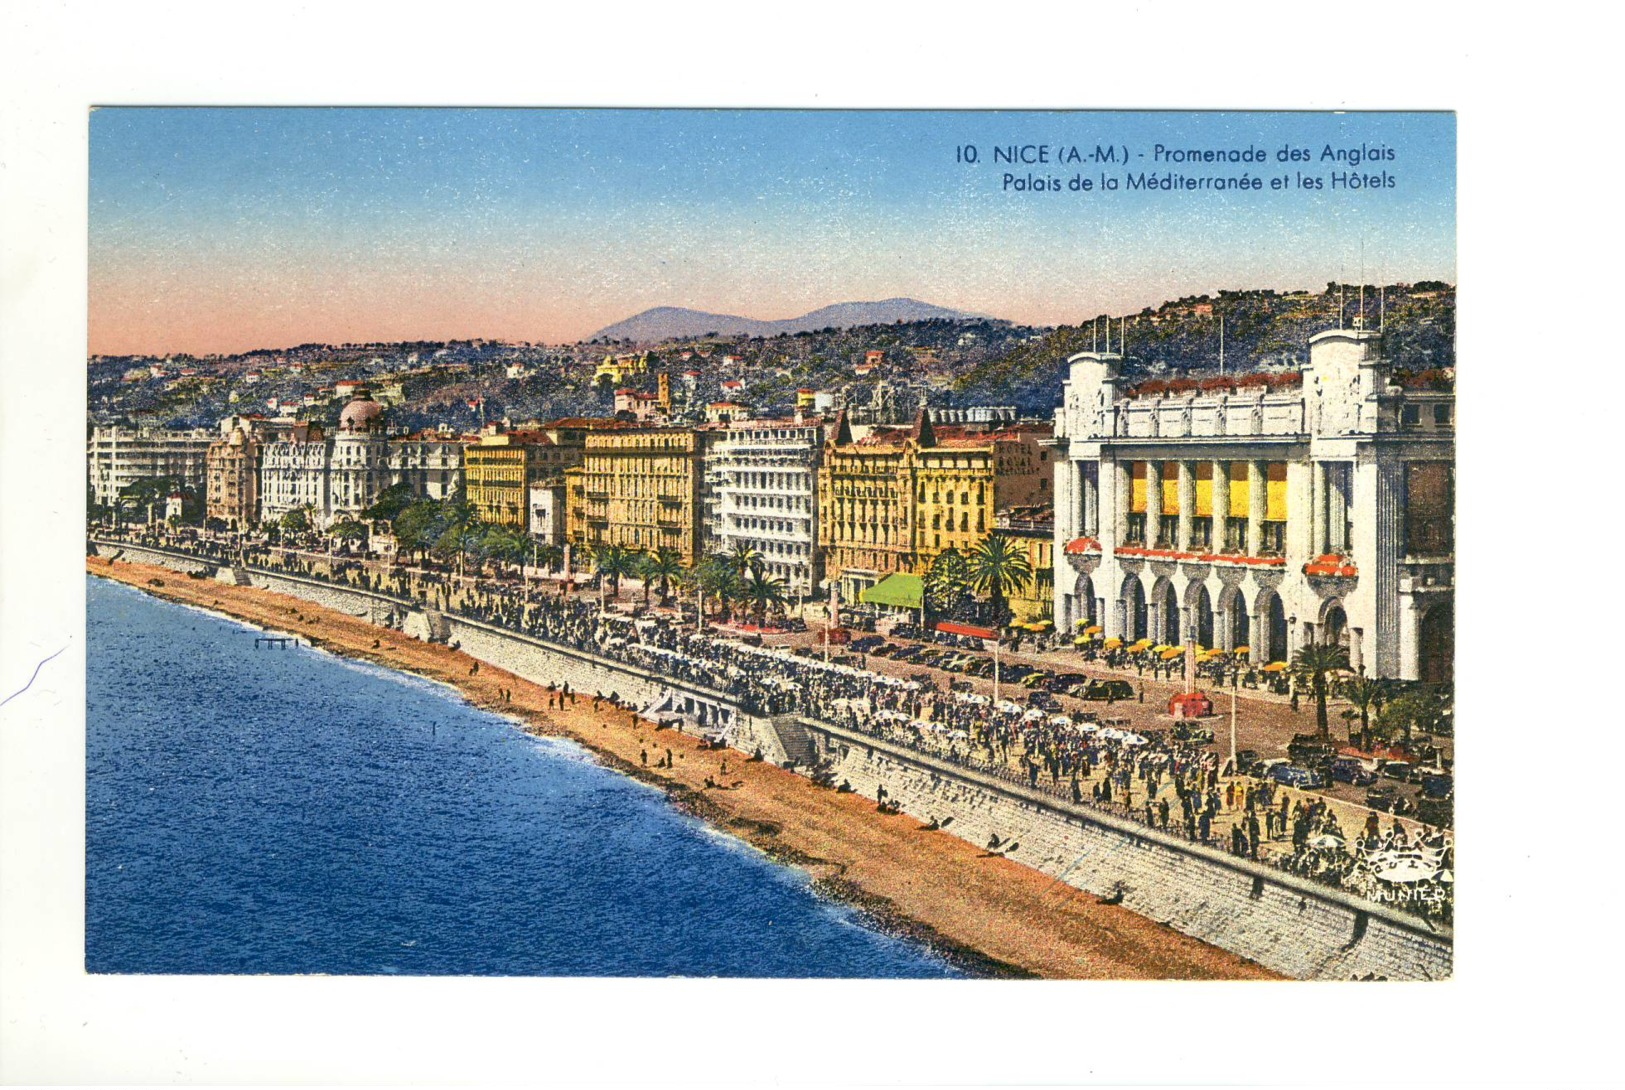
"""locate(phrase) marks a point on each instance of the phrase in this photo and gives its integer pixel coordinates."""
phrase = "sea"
(292, 812)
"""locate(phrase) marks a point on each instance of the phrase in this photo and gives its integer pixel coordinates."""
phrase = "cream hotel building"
(1262, 517)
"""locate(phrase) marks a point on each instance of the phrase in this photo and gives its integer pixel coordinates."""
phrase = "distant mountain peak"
(672, 323)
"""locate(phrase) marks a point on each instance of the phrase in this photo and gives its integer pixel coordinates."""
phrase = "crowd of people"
(1176, 787)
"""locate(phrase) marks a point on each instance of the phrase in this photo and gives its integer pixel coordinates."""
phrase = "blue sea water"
(293, 812)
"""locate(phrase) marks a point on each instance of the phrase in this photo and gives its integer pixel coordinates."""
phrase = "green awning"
(899, 590)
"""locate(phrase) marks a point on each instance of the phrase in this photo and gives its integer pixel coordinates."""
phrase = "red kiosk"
(1190, 706)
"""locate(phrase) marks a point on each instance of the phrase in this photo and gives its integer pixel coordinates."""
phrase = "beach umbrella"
(1093, 630)
(1171, 653)
(1275, 667)
(1112, 644)
(1242, 650)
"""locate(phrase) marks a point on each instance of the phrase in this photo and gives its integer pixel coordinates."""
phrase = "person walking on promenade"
(1142, 692)
(643, 755)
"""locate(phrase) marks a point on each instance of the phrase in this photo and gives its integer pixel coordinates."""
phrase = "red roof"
(957, 629)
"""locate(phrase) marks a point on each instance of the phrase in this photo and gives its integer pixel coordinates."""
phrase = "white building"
(1265, 516)
(762, 479)
(340, 476)
(119, 456)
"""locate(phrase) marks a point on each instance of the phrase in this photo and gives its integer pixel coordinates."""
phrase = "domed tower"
(360, 468)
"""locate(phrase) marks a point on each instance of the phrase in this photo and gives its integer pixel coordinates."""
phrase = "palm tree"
(762, 590)
(999, 569)
(743, 558)
(1367, 695)
(612, 562)
(726, 585)
(646, 568)
(667, 565)
(506, 545)
(1314, 664)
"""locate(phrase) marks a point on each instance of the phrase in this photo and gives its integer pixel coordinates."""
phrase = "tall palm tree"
(666, 566)
(646, 568)
(998, 568)
(762, 590)
(1315, 663)
(727, 586)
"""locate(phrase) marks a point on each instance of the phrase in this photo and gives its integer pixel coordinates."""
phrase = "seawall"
(1284, 923)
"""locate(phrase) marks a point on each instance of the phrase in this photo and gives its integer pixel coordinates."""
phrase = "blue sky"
(225, 229)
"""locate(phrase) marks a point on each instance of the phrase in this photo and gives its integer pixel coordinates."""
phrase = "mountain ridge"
(667, 323)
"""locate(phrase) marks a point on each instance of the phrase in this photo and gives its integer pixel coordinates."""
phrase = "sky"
(221, 230)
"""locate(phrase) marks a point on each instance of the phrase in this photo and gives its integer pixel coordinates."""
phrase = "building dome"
(361, 414)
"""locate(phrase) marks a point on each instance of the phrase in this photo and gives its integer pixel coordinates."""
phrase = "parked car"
(1291, 775)
(1041, 699)
(1246, 761)
(1192, 732)
(1351, 770)
(1310, 749)
(1439, 812)
(1109, 689)
(1264, 768)
(1438, 785)
(1388, 800)
(1419, 773)
(1396, 770)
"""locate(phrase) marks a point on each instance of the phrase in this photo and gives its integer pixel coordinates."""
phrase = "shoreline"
(1005, 920)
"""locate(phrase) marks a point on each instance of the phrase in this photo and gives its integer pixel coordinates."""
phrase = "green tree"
(506, 545)
(1416, 709)
(743, 558)
(390, 503)
(348, 530)
(667, 567)
(414, 527)
(612, 562)
(947, 583)
(999, 568)
(296, 521)
(1314, 664)
(1367, 695)
(646, 569)
(762, 591)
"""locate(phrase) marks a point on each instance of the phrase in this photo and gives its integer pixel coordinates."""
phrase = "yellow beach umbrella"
(1112, 644)
(1171, 653)
(1242, 650)
(1093, 630)
(1275, 667)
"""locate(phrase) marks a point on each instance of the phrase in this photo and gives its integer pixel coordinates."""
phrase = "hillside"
(679, 323)
(1262, 329)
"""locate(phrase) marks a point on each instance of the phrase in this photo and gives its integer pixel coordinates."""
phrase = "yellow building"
(895, 500)
(638, 488)
(618, 371)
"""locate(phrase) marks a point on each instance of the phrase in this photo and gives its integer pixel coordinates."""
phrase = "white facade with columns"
(1261, 516)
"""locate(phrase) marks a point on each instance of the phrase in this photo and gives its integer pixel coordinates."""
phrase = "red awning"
(955, 629)
(1082, 545)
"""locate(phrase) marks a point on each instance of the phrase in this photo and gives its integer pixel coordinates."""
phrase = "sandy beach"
(989, 915)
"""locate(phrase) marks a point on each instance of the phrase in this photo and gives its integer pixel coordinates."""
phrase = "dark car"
(1436, 812)
(1396, 770)
(1298, 776)
(1438, 786)
(1247, 761)
(1041, 699)
(1191, 732)
(1388, 800)
(1310, 749)
(1109, 689)
(1351, 770)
